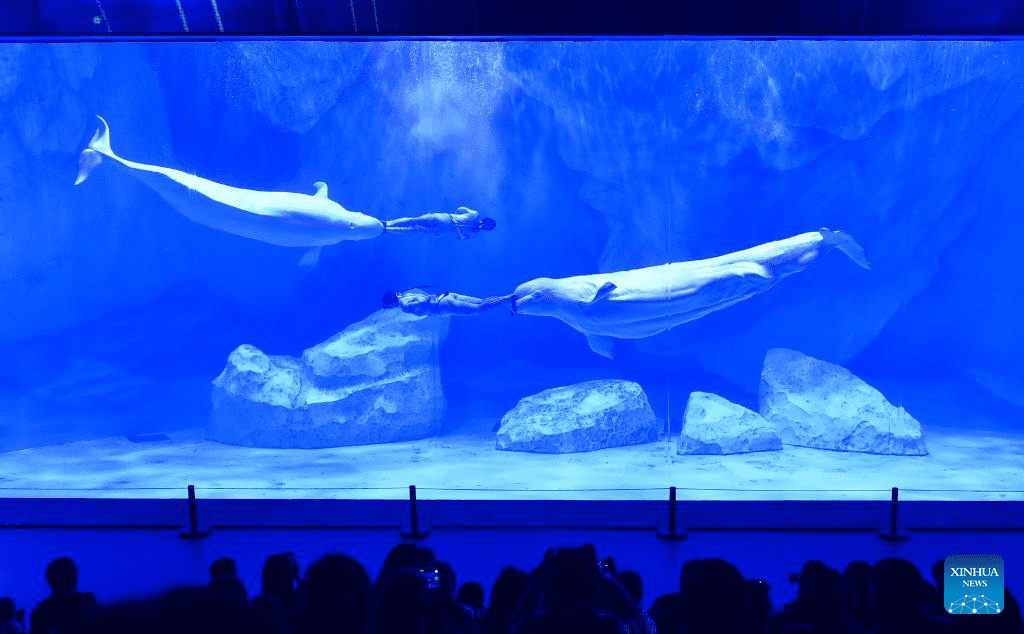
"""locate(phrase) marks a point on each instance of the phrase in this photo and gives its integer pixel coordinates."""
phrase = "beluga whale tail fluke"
(92, 156)
(845, 243)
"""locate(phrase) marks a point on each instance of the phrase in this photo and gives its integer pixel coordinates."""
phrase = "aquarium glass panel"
(511, 269)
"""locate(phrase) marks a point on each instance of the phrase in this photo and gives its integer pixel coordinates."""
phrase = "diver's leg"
(426, 223)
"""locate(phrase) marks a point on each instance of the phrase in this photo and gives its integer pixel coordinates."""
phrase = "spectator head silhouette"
(280, 574)
(569, 578)
(712, 596)
(1011, 613)
(223, 567)
(897, 592)
(666, 612)
(62, 576)
(858, 575)
(6, 609)
(471, 595)
(405, 555)
(508, 590)
(224, 581)
(337, 593)
(823, 595)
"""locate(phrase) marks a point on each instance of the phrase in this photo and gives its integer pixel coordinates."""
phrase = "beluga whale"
(640, 303)
(286, 219)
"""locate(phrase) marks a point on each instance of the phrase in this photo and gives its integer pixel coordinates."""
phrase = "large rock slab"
(713, 425)
(814, 403)
(581, 417)
(376, 381)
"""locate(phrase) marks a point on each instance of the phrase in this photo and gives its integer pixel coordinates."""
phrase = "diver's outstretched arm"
(465, 224)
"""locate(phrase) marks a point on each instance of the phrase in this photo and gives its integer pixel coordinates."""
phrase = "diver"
(466, 224)
(416, 301)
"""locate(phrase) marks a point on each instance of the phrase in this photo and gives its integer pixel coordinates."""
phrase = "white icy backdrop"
(592, 156)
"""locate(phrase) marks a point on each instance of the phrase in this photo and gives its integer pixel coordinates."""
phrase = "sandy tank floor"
(981, 466)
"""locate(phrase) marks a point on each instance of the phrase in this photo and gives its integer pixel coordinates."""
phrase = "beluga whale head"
(347, 225)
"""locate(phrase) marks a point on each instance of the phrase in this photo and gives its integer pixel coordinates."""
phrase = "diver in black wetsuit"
(466, 224)
(419, 302)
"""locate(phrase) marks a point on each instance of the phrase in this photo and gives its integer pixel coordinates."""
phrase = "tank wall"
(592, 157)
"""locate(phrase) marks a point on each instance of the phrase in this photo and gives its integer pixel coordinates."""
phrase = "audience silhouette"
(10, 619)
(66, 607)
(471, 595)
(224, 581)
(570, 591)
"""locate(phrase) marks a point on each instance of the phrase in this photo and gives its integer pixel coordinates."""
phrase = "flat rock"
(582, 417)
(817, 404)
(376, 381)
(713, 425)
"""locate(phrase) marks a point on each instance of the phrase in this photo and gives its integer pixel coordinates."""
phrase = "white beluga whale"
(640, 303)
(286, 219)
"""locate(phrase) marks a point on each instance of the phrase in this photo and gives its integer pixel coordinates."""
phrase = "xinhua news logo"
(974, 584)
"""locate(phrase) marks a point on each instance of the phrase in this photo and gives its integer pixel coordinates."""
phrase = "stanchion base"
(422, 524)
(680, 533)
(893, 537)
(675, 537)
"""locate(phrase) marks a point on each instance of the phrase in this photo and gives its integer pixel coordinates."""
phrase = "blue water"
(117, 312)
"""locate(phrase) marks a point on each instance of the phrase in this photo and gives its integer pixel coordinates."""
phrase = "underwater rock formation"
(713, 425)
(581, 417)
(817, 404)
(376, 381)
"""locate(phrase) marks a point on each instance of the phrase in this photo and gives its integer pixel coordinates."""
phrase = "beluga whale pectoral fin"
(321, 189)
(602, 293)
(602, 345)
(310, 259)
(93, 154)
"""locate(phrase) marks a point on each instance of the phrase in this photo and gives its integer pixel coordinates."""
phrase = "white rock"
(581, 417)
(376, 381)
(713, 425)
(818, 404)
